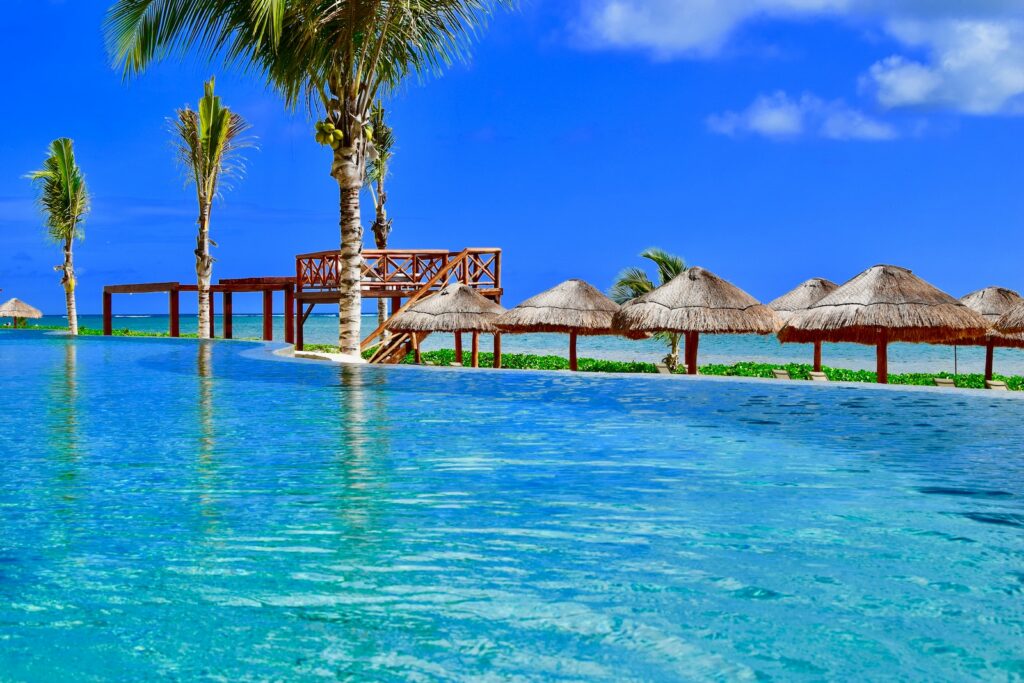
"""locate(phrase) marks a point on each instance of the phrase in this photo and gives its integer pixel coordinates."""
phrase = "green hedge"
(802, 371)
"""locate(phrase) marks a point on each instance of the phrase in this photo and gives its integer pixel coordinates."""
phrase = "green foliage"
(523, 361)
(801, 371)
(63, 196)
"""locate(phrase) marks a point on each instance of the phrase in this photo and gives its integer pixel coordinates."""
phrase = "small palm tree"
(64, 200)
(383, 139)
(208, 144)
(634, 282)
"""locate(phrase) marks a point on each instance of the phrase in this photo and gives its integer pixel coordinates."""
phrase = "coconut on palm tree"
(634, 282)
(383, 139)
(338, 56)
(208, 143)
(64, 200)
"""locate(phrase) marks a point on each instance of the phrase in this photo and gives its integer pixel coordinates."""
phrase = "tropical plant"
(337, 55)
(208, 143)
(634, 282)
(64, 200)
(383, 138)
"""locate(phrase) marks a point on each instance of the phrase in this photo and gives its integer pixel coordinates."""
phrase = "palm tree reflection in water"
(206, 463)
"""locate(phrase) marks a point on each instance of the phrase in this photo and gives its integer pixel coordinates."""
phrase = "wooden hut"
(696, 302)
(573, 307)
(805, 295)
(457, 308)
(881, 305)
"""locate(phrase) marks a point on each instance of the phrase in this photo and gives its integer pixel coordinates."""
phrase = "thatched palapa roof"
(573, 306)
(805, 295)
(1012, 322)
(456, 308)
(16, 308)
(992, 303)
(885, 303)
(697, 300)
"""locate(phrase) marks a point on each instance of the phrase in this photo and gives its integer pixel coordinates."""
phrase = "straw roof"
(802, 297)
(885, 301)
(573, 306)
(992, 303)
(697, 300)
(1012, 321)
(456, 308)
(16, 308)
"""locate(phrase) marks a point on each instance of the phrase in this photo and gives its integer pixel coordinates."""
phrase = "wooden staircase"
(396, 347)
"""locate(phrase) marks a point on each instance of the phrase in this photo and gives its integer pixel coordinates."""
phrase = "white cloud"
(961, 55)
(780, 117)
(976, 67)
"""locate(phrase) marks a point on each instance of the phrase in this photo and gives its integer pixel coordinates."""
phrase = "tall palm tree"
(383, 139)
(64, 200)
(208, 145)
(336, 55)
(634, 282)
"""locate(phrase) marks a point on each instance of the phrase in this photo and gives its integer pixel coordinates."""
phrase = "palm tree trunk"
(67, 280)
(381, 231)
(350, 268)
(204, 270)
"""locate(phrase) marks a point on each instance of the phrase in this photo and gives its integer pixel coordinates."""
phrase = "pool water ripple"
(173, 510)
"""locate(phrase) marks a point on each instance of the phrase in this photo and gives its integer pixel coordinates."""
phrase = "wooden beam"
(143, 288)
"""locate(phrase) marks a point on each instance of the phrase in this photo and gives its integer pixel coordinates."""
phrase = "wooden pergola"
(226, 288)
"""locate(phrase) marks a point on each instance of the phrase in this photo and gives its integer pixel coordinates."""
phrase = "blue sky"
(767, 140)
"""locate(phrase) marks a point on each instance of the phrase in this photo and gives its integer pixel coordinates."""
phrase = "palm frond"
(631, 283)
(63, 196)
(669, 265)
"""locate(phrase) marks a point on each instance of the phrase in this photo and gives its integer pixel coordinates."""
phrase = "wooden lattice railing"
(398, 272)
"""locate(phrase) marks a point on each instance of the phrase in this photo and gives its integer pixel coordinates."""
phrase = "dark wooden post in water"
(817, 356)
(882, 359)
(497, 349)
(475, 355)
(174, 323)
(299, 319)
(268, 316)
(458, 347)
(213, 317)
(690, 352)
(990, 349)
(228, 324)
(289, 314)
(108, 313)
(416, 348)
(573, 364)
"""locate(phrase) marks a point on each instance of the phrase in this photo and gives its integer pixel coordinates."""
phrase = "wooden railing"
(399, 272)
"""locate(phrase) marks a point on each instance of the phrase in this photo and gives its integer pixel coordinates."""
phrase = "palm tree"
(336, 55)
(634, 282)
(208, 144)
(64, 200)
(383, 139)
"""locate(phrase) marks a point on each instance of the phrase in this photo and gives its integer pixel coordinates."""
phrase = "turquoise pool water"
(177, 511)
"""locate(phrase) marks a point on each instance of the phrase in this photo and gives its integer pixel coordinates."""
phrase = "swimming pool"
(178, 510)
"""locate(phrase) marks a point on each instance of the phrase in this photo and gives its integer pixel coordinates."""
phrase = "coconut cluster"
(327, 134)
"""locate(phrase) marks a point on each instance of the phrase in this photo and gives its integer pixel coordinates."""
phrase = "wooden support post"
(289, 314)
(213, 317)
(692, 343)
(268, 316)
(497, 349)
(475, 355)
(882, 359)
(108, 314)
(299, 320)
(228, 324)
(990, 352)
(817, 356)
(396, 303)
(573, 364)
(416, 348)
(174, 322)
(458, 348)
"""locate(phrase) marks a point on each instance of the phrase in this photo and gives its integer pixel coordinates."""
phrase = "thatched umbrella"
(456, 308)
(992, 303)
(693, 302)
(881, 305)
(573, 307)
(19, 310)
(803, 297)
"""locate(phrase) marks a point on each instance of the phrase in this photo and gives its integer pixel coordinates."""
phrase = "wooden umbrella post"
(692, 342)
(817, 356)
(458, 348)
(475, 354)
(990, 352)
(497, 349)
(573, 364)
(882, 359)
(416, 348)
